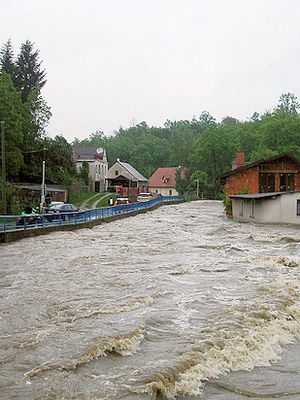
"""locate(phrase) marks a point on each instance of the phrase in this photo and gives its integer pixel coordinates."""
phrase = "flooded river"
(176, 303)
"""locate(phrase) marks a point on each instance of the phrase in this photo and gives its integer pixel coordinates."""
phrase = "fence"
(16, 222)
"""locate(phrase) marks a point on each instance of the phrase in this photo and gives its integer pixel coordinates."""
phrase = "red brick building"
(276, 174)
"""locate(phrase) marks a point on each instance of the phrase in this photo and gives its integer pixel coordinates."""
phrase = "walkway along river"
(176, 303)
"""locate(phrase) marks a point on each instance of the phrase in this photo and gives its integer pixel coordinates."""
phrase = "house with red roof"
(162, 182)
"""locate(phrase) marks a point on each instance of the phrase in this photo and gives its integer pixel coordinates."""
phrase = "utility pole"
(42, 203)
(3, 167)
(197, 189)
(43, 185)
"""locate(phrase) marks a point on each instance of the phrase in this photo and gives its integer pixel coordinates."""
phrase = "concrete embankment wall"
(14, 235)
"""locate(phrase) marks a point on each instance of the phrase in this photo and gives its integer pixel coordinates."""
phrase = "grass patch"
(78, 198)
(105, 201)
(94, 199)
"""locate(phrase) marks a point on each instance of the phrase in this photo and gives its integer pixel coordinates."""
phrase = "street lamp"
(197, 188)
(43, 186)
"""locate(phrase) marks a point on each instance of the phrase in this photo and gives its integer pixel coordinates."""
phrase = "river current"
(179, 303)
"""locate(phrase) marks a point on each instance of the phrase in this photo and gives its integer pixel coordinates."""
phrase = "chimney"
(240, 160)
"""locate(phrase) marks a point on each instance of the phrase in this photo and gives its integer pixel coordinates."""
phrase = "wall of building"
(246, 181)
(98, 170)
(163, 191)
(280, 209)
(117, 170)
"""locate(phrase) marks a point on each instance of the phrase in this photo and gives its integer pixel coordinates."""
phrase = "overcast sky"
(112, 63)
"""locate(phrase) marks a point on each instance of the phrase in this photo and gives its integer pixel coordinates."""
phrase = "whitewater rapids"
(178, 303)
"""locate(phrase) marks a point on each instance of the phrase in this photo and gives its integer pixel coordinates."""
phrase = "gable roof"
(163, 177)
(255, 163)
(88, 153)
(128, 170)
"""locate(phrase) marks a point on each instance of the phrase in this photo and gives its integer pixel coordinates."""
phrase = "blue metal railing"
(13, 222)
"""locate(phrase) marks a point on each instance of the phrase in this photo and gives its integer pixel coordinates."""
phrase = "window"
(116, 172)
(252, 208)
(170, 192)
(291, 182)
(298, 207)
(266, 183)
(287, 182)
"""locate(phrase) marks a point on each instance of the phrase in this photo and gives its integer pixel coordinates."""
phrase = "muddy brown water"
(176, 303)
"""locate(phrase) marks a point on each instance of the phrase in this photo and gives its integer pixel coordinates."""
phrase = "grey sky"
(112, 62)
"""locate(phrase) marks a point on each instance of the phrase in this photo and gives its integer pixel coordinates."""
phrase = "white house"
(163, 182)
(98, 165)
(276, 207)
(125, 176)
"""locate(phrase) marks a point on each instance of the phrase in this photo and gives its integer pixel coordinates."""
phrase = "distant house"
(30, 193)
(163, 182)
(126, 178)
(98, 166)
(266, 191)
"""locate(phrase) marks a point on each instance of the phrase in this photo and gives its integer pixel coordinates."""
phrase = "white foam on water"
(125, 345)
(257, 341)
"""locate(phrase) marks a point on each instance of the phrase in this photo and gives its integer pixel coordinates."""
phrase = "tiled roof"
(163, 177)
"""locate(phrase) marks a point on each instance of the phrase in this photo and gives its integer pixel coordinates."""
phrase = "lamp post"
(197, 188)
(43, 188)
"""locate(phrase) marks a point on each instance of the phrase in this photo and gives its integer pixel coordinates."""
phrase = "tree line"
(203, 147)
(26, 115)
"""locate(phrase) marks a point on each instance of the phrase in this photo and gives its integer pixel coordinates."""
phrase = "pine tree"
(29, 73)
(7, 64)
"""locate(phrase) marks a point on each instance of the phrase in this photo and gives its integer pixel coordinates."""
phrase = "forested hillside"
(207, 148)
(204, 147)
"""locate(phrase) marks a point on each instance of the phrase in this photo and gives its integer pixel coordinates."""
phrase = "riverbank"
(18, 234)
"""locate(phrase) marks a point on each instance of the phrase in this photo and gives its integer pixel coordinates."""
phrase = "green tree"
(277, 133)
(84, 172)
(198, 180)
(288, 103)
(7, 64)
(214, 154)
(182, 181)
(12, 113)
(60, 162)
(29, 73)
